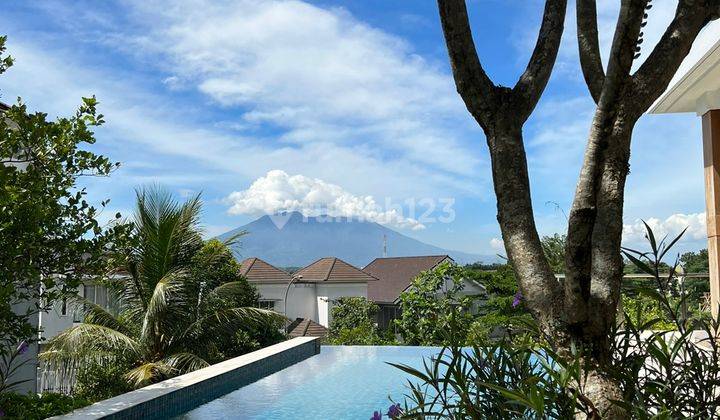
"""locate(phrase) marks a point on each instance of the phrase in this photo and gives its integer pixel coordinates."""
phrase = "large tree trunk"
(512, 187)
(582, 313)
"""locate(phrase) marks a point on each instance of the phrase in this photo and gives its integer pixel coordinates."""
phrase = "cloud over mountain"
(279, 192)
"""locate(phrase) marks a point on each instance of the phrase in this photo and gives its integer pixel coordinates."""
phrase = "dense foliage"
(179, 301)
(695, 262)
(97, 380)
(501, 313)
(353, 322)
(38, 407)
(431, 303)
(554, 250)
(50, 234)
(662, 374)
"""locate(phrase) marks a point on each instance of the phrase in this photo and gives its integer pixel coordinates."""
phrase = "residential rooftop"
(395, 274)
(333, 270)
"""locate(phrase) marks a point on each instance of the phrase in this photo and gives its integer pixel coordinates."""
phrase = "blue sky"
(342, 107)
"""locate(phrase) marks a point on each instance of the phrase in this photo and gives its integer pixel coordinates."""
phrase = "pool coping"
(183, 393)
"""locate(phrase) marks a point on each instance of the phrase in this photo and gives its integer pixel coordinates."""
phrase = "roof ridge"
(327, 276)
(252, 262)
(307, 325)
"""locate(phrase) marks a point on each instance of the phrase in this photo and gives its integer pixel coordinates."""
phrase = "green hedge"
(33, 406)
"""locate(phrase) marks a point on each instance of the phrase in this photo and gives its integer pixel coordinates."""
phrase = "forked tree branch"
(501, 113)
(583, 214)
(474, 86)
(532, 82)
(481, 96)
(653, 77)
(589, 46)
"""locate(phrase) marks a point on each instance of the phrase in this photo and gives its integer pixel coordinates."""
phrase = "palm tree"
(169, 320)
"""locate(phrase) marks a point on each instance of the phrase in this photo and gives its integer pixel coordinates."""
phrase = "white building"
(396, 274)
(311, 292)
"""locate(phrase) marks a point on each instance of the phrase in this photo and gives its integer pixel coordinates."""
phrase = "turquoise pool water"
(342, 382)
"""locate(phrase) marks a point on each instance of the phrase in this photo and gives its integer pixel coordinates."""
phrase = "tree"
(433, 306)
(554, 250)
(214, 264)
(171, 320)
(695, 262)
(581, 311)
(353, 322)
(502, 311)
(50, 236)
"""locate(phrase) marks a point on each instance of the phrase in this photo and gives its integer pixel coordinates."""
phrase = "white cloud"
(278, 192)
(497, 244)
(315, 74)
(634, 233)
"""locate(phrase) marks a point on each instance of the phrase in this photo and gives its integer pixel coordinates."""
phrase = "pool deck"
(180, 394)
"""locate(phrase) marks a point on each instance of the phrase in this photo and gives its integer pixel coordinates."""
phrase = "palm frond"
(97, 315)
(89, 341)
(185, 362)
(223, 322)
(161, 308)
(149, 373)
(230, 290)
(233, 239)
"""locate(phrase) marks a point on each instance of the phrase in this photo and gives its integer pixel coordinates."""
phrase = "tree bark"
(514, 204)
(582, 312)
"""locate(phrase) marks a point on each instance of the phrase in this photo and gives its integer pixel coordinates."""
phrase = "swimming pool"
(342, 382)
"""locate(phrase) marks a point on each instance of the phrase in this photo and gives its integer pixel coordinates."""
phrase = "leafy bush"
(500, 314)
(97, 381)
(353, 322)
(429, 304)
(498, 381)
(662, 374)
(643, 309)
(33, 406)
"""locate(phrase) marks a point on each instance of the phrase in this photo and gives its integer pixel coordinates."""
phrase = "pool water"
(342, 382)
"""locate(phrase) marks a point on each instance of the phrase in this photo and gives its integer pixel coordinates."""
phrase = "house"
(310, 293)
(698, 91)
(395, 275)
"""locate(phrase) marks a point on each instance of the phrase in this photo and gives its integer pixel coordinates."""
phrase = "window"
(267, 304)
(64, 307)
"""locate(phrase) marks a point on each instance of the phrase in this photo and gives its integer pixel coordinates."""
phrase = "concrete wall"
(309, 300)
(178, 395)
(27, 361)
(301, 298)
(332, 292)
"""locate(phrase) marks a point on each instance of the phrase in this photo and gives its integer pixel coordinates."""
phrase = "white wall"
(333, 291)
(310, 301)
(301, 298)
(29, 361)
(53, 322)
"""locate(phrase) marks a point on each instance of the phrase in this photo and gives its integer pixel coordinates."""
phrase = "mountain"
(292, 240)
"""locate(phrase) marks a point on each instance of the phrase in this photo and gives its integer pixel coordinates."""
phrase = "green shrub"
(33, 406)
(100, 381)
(664, 368)
(643, 309)
(431, 302)
(353, 322)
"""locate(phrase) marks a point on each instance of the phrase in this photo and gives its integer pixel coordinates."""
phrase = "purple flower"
(394, 411)
(376, 416)
(2, 413)
(22, 347)
(517, 300)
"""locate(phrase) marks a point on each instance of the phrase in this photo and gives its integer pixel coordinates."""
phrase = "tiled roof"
(256, 270)
(396, 274)
(333, 270)
(308, 328)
